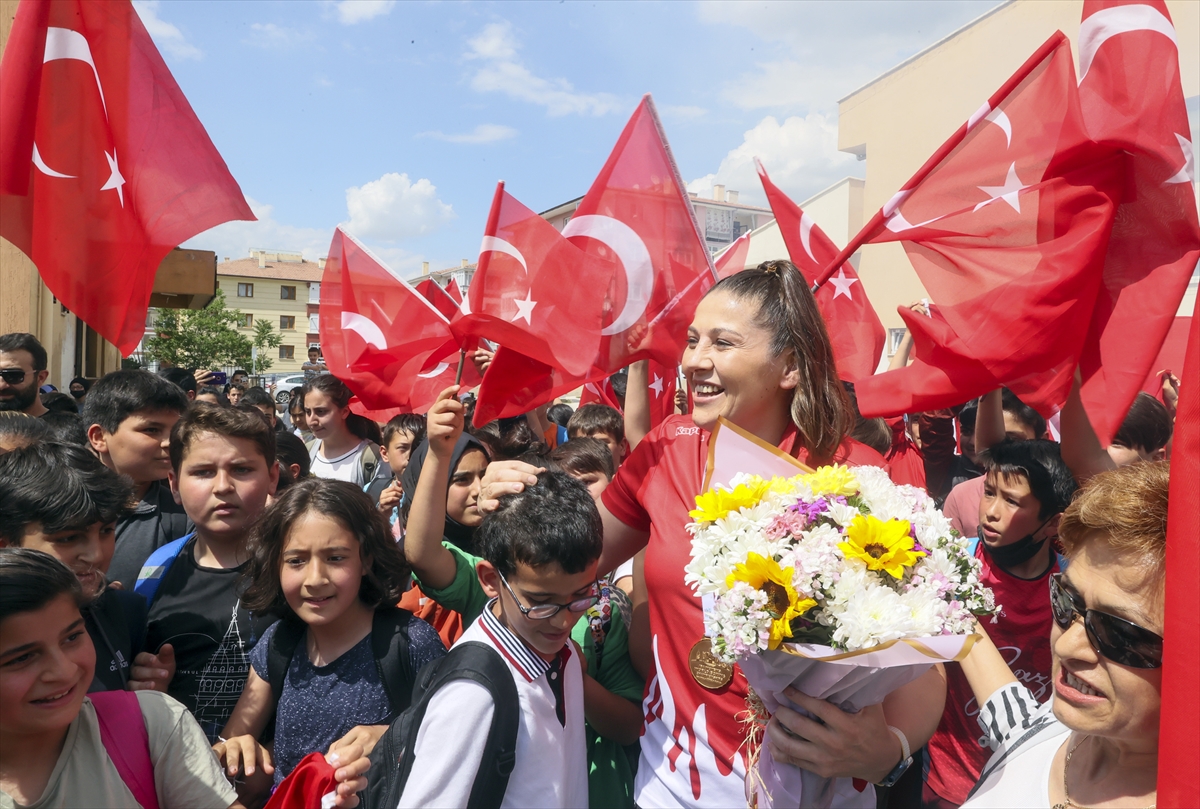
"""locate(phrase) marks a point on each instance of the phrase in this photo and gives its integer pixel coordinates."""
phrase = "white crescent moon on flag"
(635, 258)
(437, 370)
(365, 328)
(1104, 25)
(997, 117)
(63, 43)
(806, 226)
(494, 244)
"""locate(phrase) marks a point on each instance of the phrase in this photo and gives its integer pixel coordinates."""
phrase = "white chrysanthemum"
(874, 615)
(842, 514)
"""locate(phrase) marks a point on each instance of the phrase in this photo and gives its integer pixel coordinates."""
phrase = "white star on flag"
(115, 180)
(657, 386)
(525, 308)
(842, 283)
(1007, 192)
(1187, 174)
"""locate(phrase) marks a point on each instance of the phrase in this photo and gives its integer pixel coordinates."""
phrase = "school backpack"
(393, 756)
(389, 647)
(156, 567)
(369, 461)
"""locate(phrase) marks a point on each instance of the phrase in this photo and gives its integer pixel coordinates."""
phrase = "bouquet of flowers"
(838, 582)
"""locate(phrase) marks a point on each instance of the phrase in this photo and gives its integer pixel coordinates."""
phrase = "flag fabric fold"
(104, 166)
(855, 332)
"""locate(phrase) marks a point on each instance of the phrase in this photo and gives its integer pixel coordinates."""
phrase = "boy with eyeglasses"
(540, 550)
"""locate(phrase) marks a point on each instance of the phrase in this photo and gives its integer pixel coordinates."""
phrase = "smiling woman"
(1096, 742)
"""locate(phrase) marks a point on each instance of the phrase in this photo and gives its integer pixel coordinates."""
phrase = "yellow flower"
(882, 545)
(716, 503)
(834, 480)
(784, 603)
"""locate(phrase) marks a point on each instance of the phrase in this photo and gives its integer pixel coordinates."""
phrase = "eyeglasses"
(12, 376)
(539, 612)
(1121, 641)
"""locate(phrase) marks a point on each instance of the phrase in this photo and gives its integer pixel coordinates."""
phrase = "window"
(287, 293)
(245, 290)
(314, 293)
(287, 352)
(247, 321)
(314, 323)
(894, 338)
(287, 322)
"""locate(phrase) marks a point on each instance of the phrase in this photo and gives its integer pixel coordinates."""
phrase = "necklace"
(1067, 803)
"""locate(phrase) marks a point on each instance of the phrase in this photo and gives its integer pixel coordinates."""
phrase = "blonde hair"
(1125, 508)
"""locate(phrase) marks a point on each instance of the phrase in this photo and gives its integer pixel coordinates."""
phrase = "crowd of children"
(276, 589)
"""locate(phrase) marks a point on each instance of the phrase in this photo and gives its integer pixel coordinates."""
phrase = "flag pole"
(462, 357)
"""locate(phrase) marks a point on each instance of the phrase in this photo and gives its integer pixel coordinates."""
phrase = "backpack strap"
(127, 742)
(390, 648)
(370, 462)
(972, 545)
(155, 568)
(288, 634)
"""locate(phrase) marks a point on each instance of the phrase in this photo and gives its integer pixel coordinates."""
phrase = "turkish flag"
(733, 258)
(454, 292)
(637, 214)
(1132, 99)
(1170, 356)
(379, 335)
(663, 384)
(104, 167)
(534, 292)
(854, 329)
(600, 392)
(1181, 653)
(432, 291)
(1007, 226)
(448, 305)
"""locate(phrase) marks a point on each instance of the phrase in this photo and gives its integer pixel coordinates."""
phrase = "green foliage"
(265, 337)
(208, 338)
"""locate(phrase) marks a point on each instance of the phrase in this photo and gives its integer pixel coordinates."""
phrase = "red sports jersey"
(691, 739)
(1022, 634)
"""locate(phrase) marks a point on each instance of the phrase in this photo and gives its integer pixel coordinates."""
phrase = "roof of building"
(274, 270)
(716, 203)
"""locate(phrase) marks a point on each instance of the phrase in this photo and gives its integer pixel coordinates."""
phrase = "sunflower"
(886, 546)
(783, 602)
(833, 480)
(717, 502)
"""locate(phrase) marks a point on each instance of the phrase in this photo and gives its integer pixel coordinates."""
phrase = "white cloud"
(235, 239)
(800, 154)
(393, 207)
(270, 35)
(502, 72)
(354, 11)
(165, 35)
(484, 133)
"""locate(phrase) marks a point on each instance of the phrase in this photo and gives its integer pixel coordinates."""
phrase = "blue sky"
(396, 119)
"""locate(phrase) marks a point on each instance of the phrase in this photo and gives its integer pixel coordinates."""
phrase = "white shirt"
(347, 466)
(1026, 736)
(551, 768)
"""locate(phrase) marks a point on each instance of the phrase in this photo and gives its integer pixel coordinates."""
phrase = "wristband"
(904, 748)
(892, 777)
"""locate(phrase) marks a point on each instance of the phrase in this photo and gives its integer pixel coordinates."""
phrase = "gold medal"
(707, 669)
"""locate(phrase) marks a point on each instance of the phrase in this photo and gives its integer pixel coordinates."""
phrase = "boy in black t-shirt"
(128, 416)
(222, 472)
(59, 499)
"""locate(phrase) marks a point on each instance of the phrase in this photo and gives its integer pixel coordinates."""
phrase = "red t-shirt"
(905, 458)
(1022, 634)
(691, 739)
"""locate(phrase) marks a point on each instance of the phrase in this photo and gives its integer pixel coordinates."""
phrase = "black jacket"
(157, 520)
(116, 622)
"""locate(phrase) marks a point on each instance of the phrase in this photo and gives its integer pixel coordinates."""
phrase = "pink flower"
(789, 523)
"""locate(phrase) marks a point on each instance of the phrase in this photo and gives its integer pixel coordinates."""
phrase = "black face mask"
(78, 394)
(1015, 553)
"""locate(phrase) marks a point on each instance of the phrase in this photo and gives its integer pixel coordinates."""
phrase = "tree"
(265, 336)
(208, 338)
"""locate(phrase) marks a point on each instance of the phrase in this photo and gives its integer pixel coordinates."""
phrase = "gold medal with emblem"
(707, 669)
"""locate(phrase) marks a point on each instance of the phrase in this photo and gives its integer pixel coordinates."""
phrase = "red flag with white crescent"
(1007, 226)
(1131, 95)
(732, 259)
(379, 335)
(855, 332)
(104, 167)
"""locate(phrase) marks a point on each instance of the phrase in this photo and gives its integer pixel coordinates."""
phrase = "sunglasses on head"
(12, 376)
(1123, 642)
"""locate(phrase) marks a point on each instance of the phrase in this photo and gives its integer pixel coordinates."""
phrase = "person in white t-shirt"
(1096, 742)
(340, 449)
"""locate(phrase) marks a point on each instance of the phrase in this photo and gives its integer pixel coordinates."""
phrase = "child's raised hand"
(389, 498)
(444, 423)
(243, 753)
(153, 672)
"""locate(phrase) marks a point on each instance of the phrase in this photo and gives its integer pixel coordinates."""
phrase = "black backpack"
(389, 647)
(392, 758)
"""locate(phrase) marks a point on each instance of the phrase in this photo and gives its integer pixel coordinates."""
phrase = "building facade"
(283, 289)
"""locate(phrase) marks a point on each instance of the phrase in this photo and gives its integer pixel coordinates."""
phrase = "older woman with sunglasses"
(1096, 742)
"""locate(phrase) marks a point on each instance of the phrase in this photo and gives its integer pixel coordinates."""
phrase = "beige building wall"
(899, 120)
(837, 210)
